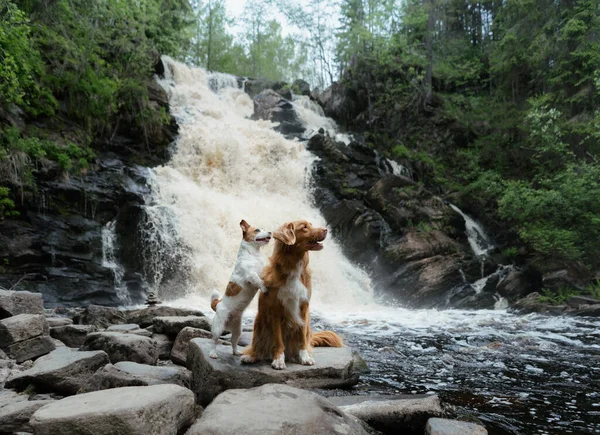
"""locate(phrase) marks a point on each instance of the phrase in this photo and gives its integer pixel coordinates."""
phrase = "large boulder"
(153, 410)
(274, 409)
(443, 426)
(129, 374)
(400, 414)
(334, 368)
(21, 327)
(63, 371)
(30, 349)
(180, 347)
(164, 344)
(14, 417)
(123, 347)
(172, 325)
(100, 316)
(13, 303)
(145, 316)
(72, 335)
(271, 106)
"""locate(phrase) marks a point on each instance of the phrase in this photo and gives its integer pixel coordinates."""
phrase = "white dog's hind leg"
(217, 328)
(236, 332)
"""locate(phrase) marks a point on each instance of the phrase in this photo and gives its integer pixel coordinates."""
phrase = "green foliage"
(511, 253)
(7, 205)
(558, 297)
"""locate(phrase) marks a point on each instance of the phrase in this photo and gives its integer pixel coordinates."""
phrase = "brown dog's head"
(301, 235)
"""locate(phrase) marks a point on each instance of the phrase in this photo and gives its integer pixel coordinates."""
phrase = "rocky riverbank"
(98, 372)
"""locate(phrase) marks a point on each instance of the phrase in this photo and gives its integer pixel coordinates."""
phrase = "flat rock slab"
(126, 327)
(180, 347)
(173, 325)
(333, 369)
(145, 316)
(158, 375)
(13, 303)
(15, 416)
(123, 347)
(100, 316)
(63, 371)
(72, 335)
(154, 410)
(407, 415)
(21, 327)
(54, 322)
(32, 348)
(443, 426)
(274, 409)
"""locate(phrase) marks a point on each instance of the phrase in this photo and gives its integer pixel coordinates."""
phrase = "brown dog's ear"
(244, 225)
(286, 234)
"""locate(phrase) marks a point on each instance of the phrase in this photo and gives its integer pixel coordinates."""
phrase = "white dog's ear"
(244, 225)
(286, 234)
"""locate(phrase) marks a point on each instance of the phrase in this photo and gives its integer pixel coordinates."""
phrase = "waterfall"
(312, 116)
(224, 168)
(478, 240)
(109, 260)
(400, 170)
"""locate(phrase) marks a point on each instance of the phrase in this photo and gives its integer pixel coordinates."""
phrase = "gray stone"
(64, 371)
(15, 416)
(165, 344)
(443, 426)
(576, 301)
(123, 347)
(126, 327)
(274, 409)
(72, 335)
(13, 303)
(100, 316)
(180, 347)
(158, 375)
(145, 316)
(174, 324)
(333, 369)
(31, 349)
(396, 416)
(55, 322)
(153, 410)
(109, 377)
(21, 327)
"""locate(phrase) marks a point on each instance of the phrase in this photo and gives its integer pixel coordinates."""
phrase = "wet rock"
(100, 316)
(72, 335)
(172, 325)
(145, 316)
(164, 344)
(180, 347)
(153, 410)
(270, 106)
(63, 371)
(301, 87)
(576, 277)
(274, 409)
(253, 87)
(123, 347)
(21, 327)
(127, 327)
(403, 415)
(530, 304)
(13, 303)
(128, 374)
(516, 285)
(587, 310)
(14, 417)
(55, 322)
(30, 349)
(443, 426)
(333, 369)
(577, 301)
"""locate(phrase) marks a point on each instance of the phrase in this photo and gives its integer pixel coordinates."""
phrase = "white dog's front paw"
(279, 362)
(247, 359)
(263, 289)
(213, 354)
(237, 352)
(306, 359)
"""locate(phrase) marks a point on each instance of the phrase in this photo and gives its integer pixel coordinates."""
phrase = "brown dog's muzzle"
(315, 243)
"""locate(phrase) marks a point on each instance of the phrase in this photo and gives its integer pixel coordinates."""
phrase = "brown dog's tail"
(326, 339)
(215, 298)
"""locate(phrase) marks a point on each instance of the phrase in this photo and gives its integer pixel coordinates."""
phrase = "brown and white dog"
(282, 324)
(243, 284)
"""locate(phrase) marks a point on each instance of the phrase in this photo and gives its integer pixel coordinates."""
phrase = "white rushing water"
(109, 260)
(225, 168)
(478, 239)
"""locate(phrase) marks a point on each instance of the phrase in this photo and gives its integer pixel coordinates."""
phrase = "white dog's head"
(255, 236)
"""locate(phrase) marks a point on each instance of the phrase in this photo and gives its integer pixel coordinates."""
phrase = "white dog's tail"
(215, 298)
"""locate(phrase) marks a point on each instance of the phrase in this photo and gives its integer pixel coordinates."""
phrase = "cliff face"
(64, 239)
